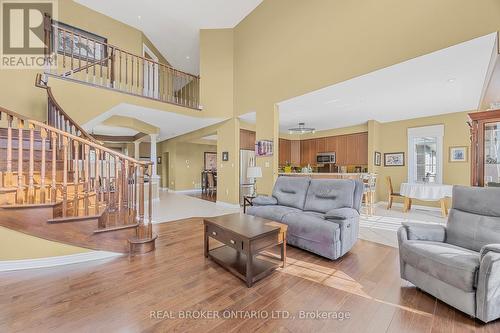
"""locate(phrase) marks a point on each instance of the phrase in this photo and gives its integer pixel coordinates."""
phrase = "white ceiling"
(112, 130)
(449, 80)
(173, 25)
(170, 124)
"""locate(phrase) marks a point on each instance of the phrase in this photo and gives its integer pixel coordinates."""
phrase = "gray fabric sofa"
(322, 214)
(458, 263)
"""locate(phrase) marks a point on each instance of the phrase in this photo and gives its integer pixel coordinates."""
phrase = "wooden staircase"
(59, 183)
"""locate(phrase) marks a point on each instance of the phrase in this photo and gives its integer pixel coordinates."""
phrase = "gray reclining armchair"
(458, 263)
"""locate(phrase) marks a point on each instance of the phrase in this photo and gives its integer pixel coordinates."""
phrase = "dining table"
(426, 192)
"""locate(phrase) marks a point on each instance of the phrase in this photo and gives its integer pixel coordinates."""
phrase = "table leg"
(244, 205)
(444, 209)
(205, 245)
(283, 251)
(249, 275)
(406, 205)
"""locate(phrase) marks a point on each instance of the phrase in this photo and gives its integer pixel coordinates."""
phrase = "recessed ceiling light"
(188, 57)
(139, 17)
(451, 80)
(332, 101)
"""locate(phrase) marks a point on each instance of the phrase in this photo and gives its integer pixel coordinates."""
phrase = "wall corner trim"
(15, 265)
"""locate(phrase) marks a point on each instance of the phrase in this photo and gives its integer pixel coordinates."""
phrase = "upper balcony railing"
(81, 58)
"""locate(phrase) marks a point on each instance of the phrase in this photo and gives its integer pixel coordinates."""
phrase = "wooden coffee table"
(244, 237)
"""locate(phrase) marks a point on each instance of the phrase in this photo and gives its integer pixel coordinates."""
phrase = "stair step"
(120, 227)
(70, 219)
(35, 205)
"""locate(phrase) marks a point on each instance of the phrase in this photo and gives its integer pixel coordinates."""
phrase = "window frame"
(434, 131)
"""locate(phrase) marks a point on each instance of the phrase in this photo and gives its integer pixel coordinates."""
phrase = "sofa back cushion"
(474, 219)
(326, 194)
(291, 191)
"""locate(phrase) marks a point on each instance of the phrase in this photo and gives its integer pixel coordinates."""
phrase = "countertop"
(322, 173)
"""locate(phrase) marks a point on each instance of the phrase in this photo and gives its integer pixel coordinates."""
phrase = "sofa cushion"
(451, 264)
(312, 227)
(341, 214)
(472, 230)
(264, 200)
(327, 194)
(275, 213)
(291, 191)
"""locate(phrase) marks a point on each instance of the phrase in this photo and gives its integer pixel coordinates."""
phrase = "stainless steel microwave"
(325, 158)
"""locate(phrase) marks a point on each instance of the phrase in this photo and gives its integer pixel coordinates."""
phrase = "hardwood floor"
(118, 295)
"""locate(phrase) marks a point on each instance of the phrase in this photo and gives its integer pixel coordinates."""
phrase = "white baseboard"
(193, 190)
(15, 265)
(227, 204)
(420, 207)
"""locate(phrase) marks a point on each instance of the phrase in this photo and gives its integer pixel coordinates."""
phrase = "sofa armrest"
(425, 231)
(489, 248)
(488, 293)
(341, 214)
(263, 200)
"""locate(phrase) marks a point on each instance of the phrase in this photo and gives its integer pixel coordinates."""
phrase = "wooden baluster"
(150, 203)
(64, 48)
(87, 180)
(124, 202)
(126, 71)
(118, 183)
(43, 134)
(108, 180)
(135, 185)
(138, 85)
(94, 60)
(72, 50)
(87, 61)
(132, 74)
(31, 183)
(53, 187)
(97, 187)
(65, 144)
(76, 178)
(8, 175)
(20, 175)
(120, 72)
(141, 201)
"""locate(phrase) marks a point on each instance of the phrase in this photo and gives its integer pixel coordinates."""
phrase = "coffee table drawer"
(225, 237)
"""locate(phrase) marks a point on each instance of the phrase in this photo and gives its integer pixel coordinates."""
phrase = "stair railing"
(79, 57)
(100, 180)
(57, 117)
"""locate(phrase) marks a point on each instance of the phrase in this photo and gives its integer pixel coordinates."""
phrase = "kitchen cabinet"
(320, 145)
(247, 139)
(341, 152)
(284, 151)
(295, 152)
(357, 149)
(306, 152)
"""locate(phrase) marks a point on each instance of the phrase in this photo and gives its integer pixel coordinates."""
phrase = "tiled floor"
(381, 227)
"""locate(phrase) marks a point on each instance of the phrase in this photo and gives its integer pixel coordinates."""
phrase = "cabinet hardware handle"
(232, 241)
(214, 233)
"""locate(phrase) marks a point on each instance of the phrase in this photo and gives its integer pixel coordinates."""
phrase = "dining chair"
(212, 188)
(391, 193)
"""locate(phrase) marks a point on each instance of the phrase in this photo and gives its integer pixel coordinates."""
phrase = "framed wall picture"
(378, 158)
(264, 148)
(210, 161)
(459, 154)
(225, 156)
(394, 159)
(80, 44)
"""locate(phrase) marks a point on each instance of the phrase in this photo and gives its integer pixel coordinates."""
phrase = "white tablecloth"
(425, 192)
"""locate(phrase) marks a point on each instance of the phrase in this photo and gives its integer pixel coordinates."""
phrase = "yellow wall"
(186, 163)
(393, 137)
(31, 247)
(286, 48)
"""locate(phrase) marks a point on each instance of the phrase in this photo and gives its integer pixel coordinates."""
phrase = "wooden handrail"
(95, 179)
(78, 60)
(92, 144)
(52, 101)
